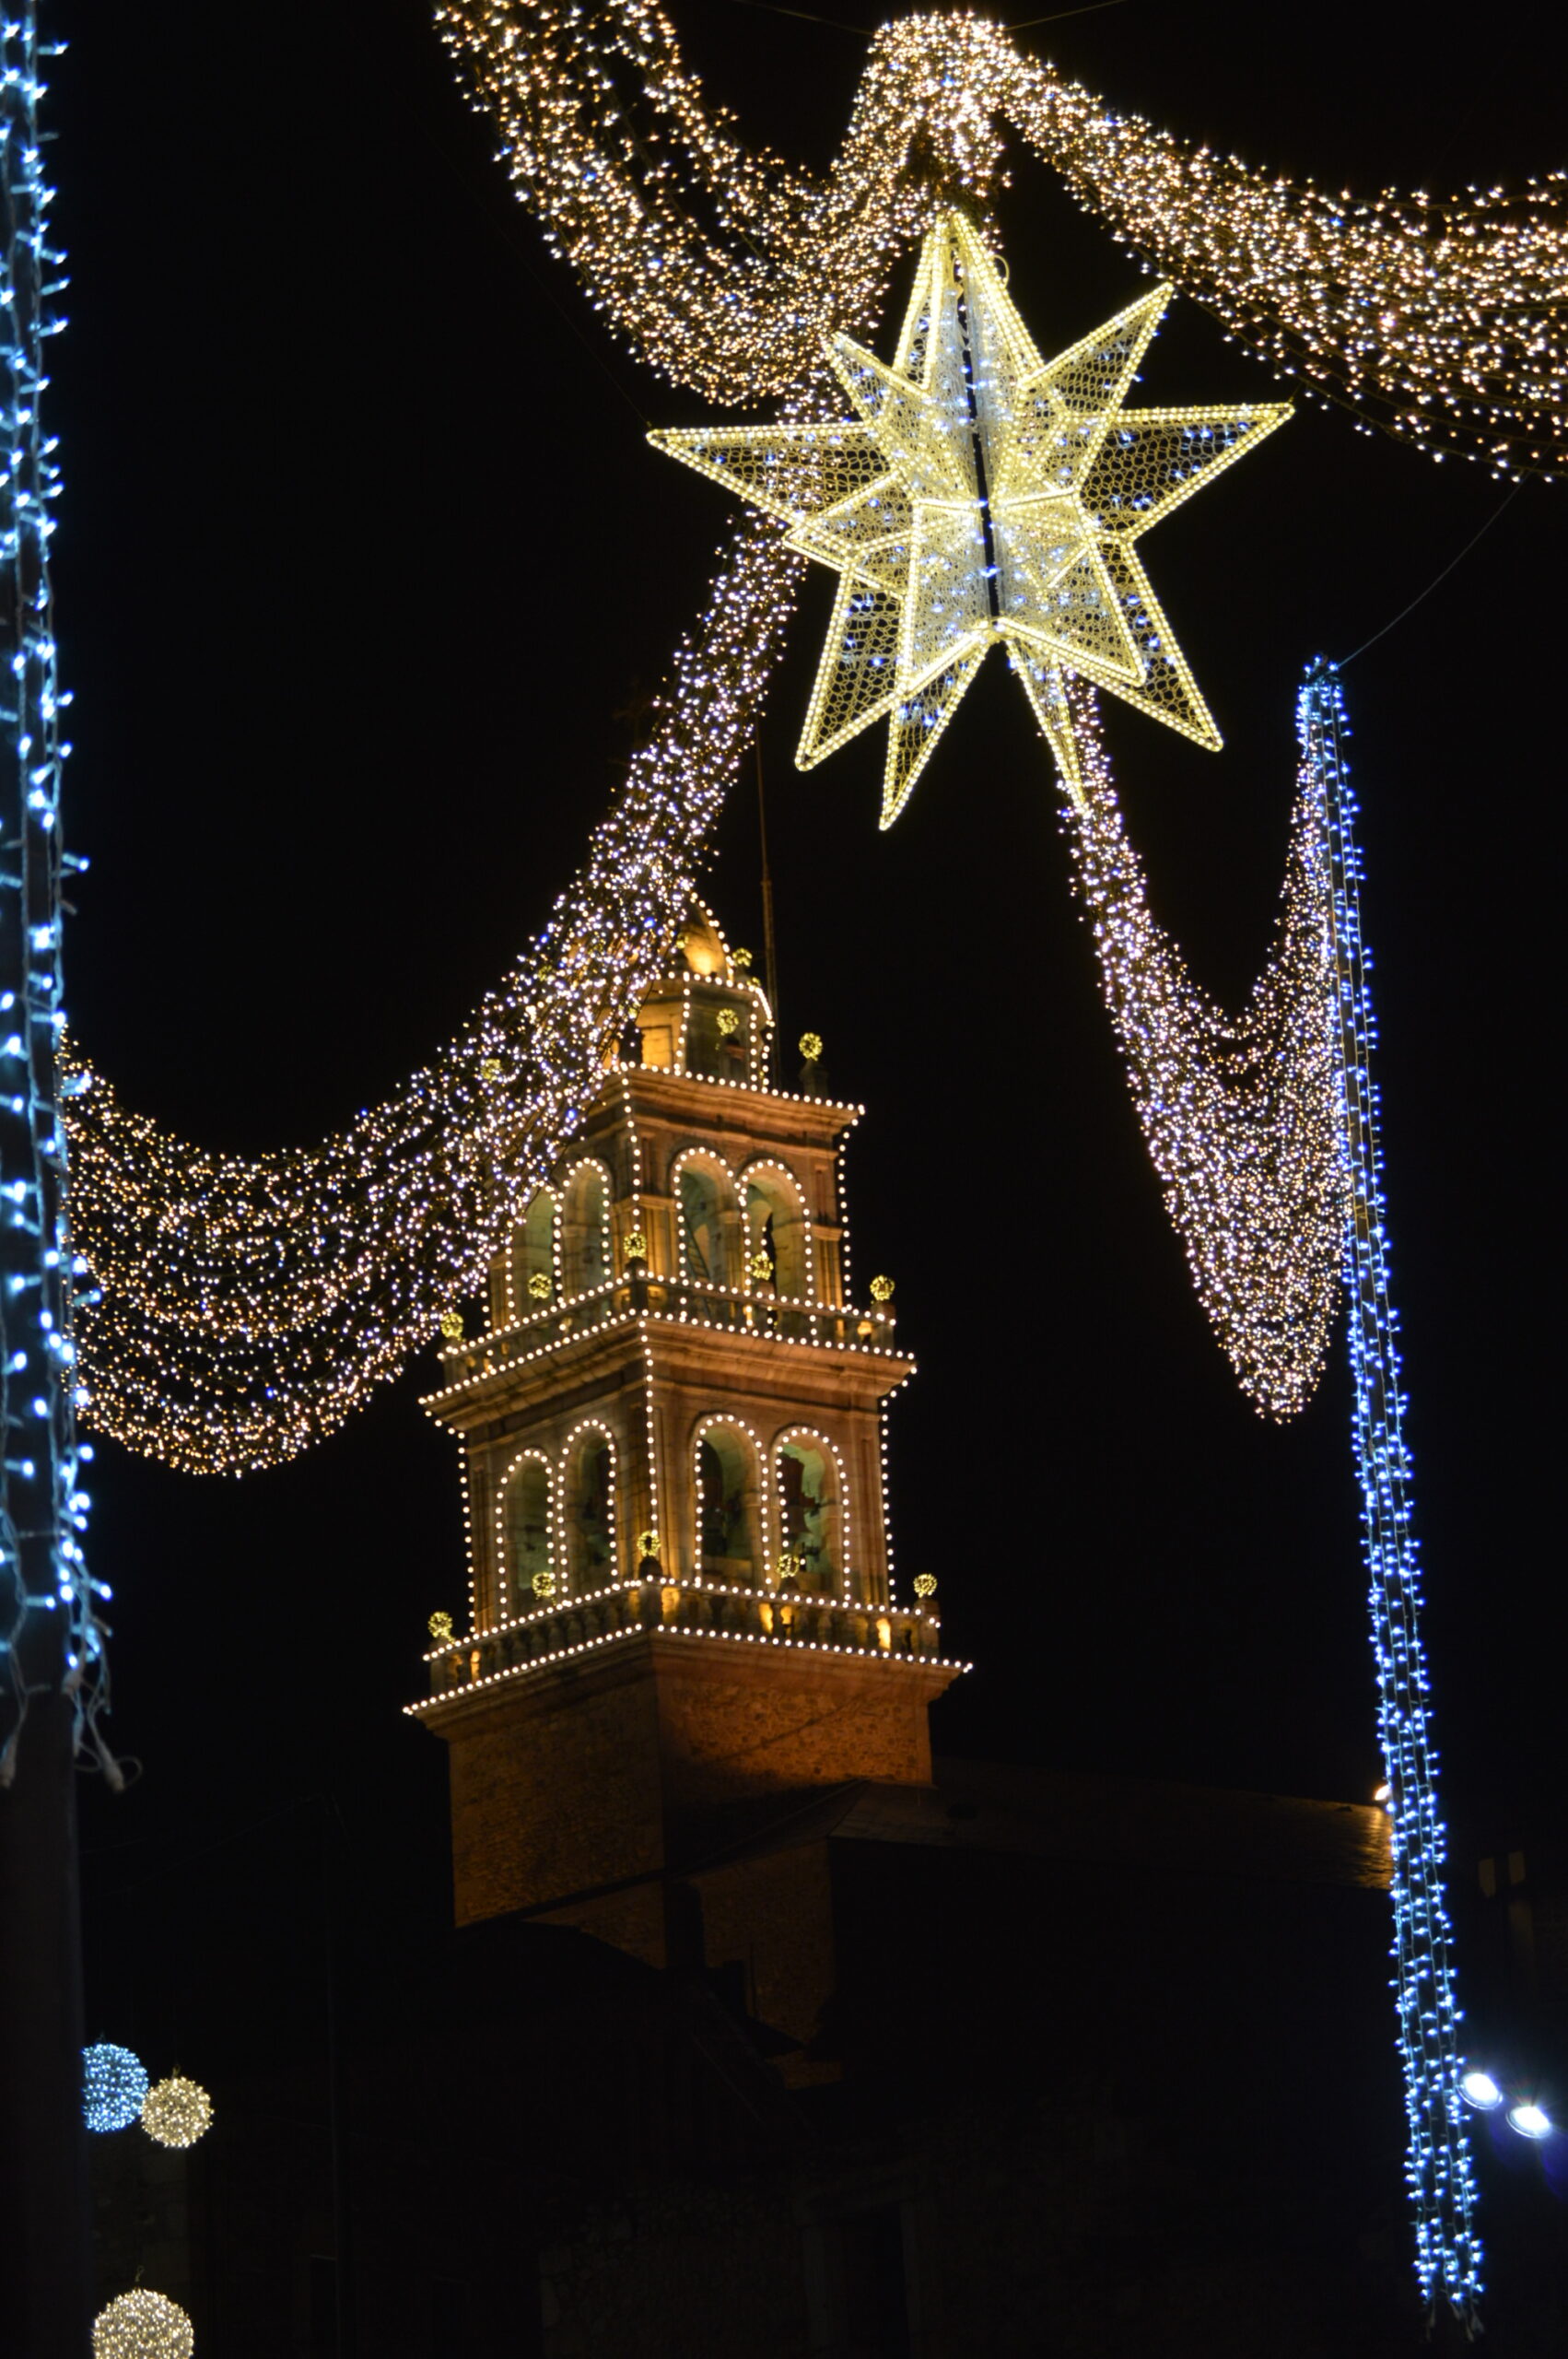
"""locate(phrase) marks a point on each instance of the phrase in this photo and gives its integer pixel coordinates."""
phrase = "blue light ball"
(114, 2086)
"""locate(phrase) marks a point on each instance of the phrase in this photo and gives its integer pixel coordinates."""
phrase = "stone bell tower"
(683, 1620)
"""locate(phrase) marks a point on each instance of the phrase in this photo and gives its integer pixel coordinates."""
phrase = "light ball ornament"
(441, 1628)
(176, 2112)
(142, 2325)
(636, 1245)
(811, 1047)
(114, 2087)
(881, 1289)
(538, 1286)
(452, 1326)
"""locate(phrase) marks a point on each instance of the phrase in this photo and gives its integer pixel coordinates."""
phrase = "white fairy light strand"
(1438, 2165)
(51, 1635)
(1439, 321)
(249, 1306)
(1237, 1111)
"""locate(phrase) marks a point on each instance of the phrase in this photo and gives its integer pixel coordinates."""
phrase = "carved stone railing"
(578, 1626)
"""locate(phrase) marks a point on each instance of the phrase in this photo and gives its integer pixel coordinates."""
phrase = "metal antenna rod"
(769, 942)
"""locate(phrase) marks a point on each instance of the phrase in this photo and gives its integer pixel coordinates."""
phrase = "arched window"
(534, 1257)
(811, 1519)
(705, 1199)
(778, 1238)
(527, 1540)
(729, 1543)
(587, 1510)
(585, 1231)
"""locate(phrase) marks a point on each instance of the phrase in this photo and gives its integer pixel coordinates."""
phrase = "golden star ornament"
(981, 495)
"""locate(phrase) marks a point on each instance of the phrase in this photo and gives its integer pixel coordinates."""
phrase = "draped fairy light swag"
(240, 1308)
(978, 494)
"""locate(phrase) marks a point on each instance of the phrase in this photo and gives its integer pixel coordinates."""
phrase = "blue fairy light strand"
(50, 1632)
(1438, 2168)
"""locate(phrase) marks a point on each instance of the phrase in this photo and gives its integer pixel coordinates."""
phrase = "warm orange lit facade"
(684, 1619)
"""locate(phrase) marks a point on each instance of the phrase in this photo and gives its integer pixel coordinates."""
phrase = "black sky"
(361, 554)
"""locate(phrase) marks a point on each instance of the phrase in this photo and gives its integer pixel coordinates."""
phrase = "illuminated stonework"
(675, 1473)
(983, 496)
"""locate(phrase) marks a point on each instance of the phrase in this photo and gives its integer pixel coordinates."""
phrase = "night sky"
(362, 561)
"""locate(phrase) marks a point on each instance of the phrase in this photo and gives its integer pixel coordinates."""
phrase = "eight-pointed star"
(981, 494)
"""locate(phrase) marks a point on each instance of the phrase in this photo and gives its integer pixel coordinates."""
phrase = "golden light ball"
(176, 2111)
(142, 2325)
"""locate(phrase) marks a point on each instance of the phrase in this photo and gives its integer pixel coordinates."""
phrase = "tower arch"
(525, 1532)
(585, 1227)
(590, 1549)
(534, 1255)
(778, 1229)
(707, 1220)
(812, 1515)
(730, 1540)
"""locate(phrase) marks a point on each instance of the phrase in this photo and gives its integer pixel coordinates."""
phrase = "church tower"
(683, 1622)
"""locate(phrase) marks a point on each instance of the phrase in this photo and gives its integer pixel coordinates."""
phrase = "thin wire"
(1433, 584)
(869, 32)
(1060, 16)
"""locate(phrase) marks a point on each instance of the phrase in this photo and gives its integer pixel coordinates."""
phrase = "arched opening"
(706, 1200)
(585, 1231)
(534, 1257)
(729, 1507)
(718, 1037)
(809, 1516)
(777, 1235)
(589, 1512)
(527, 1550)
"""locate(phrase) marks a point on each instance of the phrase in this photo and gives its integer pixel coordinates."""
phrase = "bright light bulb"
(1530, 2121)
(1481, 2090)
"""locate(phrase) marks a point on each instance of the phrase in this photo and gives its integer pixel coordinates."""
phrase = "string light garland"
(982, 496)
(1237, 1112)
(726, 270)
(176, 2112)
(114, 2087)
(51, 1634)
(143, 2325)
(248, 1306)
(1438, 2166)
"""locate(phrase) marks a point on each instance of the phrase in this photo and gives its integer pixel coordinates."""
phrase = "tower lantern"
(683, 1611)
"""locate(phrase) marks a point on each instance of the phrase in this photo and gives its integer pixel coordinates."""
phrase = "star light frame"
(982, 496)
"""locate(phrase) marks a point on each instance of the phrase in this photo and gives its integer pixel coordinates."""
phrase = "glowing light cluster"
(1238, 1112)
(143, 2325)
(982, 496)
(1438, 2166)
(249, 1306)
(1439, 319)
(114, 2087)
(176, 2112)
(50, 1633)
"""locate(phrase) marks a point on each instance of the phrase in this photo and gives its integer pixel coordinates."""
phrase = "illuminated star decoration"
(982, 495)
